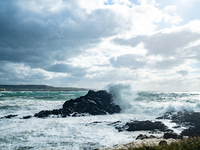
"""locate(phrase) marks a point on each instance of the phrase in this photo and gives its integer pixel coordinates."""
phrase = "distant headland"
(38, 88)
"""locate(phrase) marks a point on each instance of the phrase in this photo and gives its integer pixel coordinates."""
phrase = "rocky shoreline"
(101, 103)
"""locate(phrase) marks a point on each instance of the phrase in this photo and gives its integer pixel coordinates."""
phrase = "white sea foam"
(152, 103)
(82, 132)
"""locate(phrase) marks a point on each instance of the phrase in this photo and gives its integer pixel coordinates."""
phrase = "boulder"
(162, 142)
(27, 117)
(172, 135)
(93, 103)
(144, 125)
(142, 137)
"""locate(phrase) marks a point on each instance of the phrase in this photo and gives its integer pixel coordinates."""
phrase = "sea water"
(82, 133)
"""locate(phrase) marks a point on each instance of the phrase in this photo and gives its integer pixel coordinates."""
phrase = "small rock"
(8, 116)
(142, 137)
(26, 117)
(163, 142)
(172, 136)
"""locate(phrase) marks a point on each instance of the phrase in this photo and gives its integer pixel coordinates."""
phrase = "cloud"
(127, 61)
(182, 72)
(92, 43)
(165, 44)
(168, 63)
(169, 44)
(166, 49)
(18, 73)
(47, 32)
(64, 68)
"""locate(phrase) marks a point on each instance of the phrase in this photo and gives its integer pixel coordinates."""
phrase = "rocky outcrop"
(190, 120)
(9, 116)
(93, 103)
(144, 125)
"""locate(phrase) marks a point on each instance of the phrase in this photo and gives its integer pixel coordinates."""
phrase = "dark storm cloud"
(64, 68)
(38, 39)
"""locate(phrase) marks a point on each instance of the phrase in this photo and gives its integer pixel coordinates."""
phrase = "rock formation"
(93, 103)
(190, 120)
(144, 125)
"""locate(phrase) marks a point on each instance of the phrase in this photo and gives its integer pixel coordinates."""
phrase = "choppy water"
(79, 132)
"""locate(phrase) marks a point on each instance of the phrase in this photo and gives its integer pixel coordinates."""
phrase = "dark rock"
(182, 118)
(115, 123)
(191, 120)
(175, 127)
(26, 117)
(152, 137)
(163, 142)
(144, 125)
(191, 132)
(172, 136)
(142, 137)
(93, 103)
(9, 116)
(94, 123)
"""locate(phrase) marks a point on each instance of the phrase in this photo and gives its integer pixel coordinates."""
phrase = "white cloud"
(92, 43)
(127, 61)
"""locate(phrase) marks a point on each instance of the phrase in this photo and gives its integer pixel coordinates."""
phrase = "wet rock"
(175, 127)
(144, 125)
(9, 116)
(172, 136)
(26, 117)
(191, 120)
(191, 132)
(142, 137)
(93, 103)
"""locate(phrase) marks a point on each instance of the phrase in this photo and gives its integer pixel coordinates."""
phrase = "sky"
(151, 45)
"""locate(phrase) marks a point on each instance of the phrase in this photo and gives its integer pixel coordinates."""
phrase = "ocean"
(86, 132)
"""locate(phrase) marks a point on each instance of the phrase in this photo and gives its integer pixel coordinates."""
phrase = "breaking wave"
(152, 103)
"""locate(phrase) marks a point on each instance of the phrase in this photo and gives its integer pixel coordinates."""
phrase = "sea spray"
(122, 95)
(152, 103)
(88, 132)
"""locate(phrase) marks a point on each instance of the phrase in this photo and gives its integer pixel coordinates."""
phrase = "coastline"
(38, 88)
